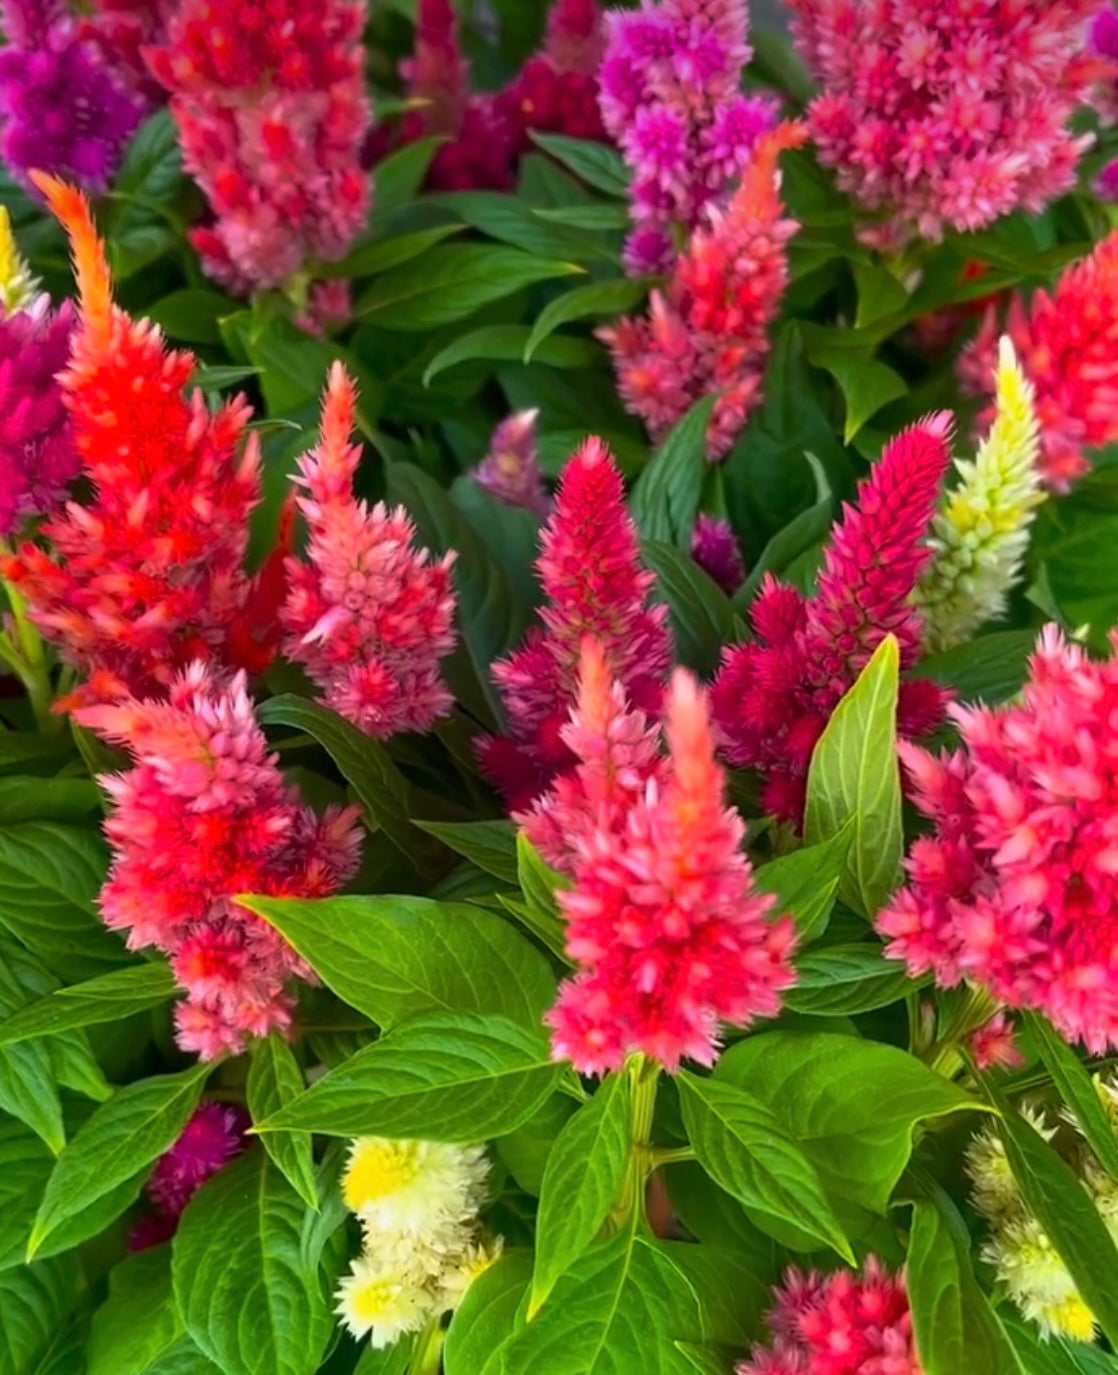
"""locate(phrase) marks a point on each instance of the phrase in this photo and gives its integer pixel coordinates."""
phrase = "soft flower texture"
(511, 469)
(706, 333)
(63, 109)
(123, 29)
(671, 98)
(663, 923)
(214, 1135)
(413, 1188)
(839, 1324)
(981, 533)
(367, 614)
(994, 1044)
(202, 816)
(1017, 888)
(1104, 43)
(146, 572)
(774, 695)
(272, 114)
(947, 115)
(714, 547)
(37, 453)
(1067, 343)
(594, 585)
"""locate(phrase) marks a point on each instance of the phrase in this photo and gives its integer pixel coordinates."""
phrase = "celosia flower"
(383, 1301)
(511, 470)
(1067, 343)
(18, 285)
(994, 1044)
(214, 1135)
(146, 573)
(413, 1188)
(774, 696)
(62, 109)
(556, 90)
(671, 98)
(1017, 889)
(839, 1324)
(714, 547)
(368, 615)
(122, 30)
(981, 534)
(594, 584)
(272, 114)
(707, 332)
(205, 815)
(1104, 43)
(663, 922)
(947, 117)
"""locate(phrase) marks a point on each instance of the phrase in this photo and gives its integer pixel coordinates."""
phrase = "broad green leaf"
(596, 298)
(593, 215)
(844, 980)
(954, 1326)
(665, 499)
(192, 314)
(36, 1302)
(1077, 1089)
(25, 1166)
(596, 164)
(274, 1080)
(746, 1150)
(1050, 1356)
(400, 176)
(509, 219)
(138, 227)
(47, 799)
(487, 1317)
(581, 1183)
(220, 376)
(806, 882)
(526, 1150)
(866, 383)
(491, 845)
(539, 883)
(28, 1087)
(804, 532)
(701, 617)
(852, 1105)
(712, 1215)
(246, 1295)
(137, 1330)
(990, 669)
(394, 957)
(506, 344)
(444, 1076)
(135, 1126)
(880, 294)
(388, 1360)
(380, 254)
(854, 773)
(108, 998)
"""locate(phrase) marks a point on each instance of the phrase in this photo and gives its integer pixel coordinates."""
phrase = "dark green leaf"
(509, 219)
(804, 532)
(274, 1080)
(491, 845)
(526, 1150)
(192, 315)
(380, 254)
(990, 669)
(806, 881)
(25, 1166)
(584, 302)
(1078, 1091)
(36, 1303)
(866, 383)
(666, 497)
(702, 618)
(506, 343)
(539, 884)
(844, 980)
(401, 174)
(108, 998)
(137, 1330)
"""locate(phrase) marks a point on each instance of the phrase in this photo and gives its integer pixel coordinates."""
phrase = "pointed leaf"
(666, 496)
(109, 998)
(596, 298)
(274, 1080)
(807, 881)
(1077, 1090)
(137, 1330)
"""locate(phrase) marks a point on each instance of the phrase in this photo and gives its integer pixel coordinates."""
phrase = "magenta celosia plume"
(1067, 343)
(706, 333)
(272, 114)
(714, 547)
(1104, 43)
(213, 1137)
(775, 694)
(367, 614)
(556, 90)
(594, 585)
(839, 1324)
(205, 815)
(939, 114)
(1017, 889)
(511, 469)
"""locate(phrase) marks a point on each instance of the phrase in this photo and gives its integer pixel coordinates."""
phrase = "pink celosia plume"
(511, 469)
(213, 1137)
(202, 816)
(994, 1044)
(1017, 888)
(774, 696)
(367, 614)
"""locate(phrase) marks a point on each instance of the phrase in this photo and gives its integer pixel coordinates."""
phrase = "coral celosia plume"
(1017, 889)
(774, 695)
(203, 816)
(213, 1137)
(367, 614)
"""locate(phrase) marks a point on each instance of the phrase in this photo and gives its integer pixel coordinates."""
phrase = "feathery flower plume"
(594, 584)
(18, 285)
(707, 331)
(556, 90)
(147, 573)
(839, 1324)
(774, 696)
(511, 470)
(1017, 889)
(1104, 44)
(63, 109)
(203, 815)
(947, 118)
(714, 547)
(213, 1137)
(368, 615)
(272, 114)
(994, 1044)
(671, 98)
(662, 918)
(123, 30)
(1067, 344)
(981, 533)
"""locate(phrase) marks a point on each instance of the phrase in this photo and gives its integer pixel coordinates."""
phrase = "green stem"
(969, 1011)
(677, 1155)
(427, 1356)
(27, 657)
(644, 1076)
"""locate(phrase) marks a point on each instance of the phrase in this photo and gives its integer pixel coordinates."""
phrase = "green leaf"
(526, 1150)
(804, 532)
(854, 773)
(807, 881)
(379, 254)
(451, 282)
(597, 164)
(844, 980)
(36, 1302)
(220, 376)
(25, 1166)
(192, 314)
(581, 1183)
(486, 1317)
(109, 998)
(137, 1330)
(954, 1326)
(248, 1298)
(506, 344)
(1053, 1357)
(274, 1080)
(394, 957)
(852, 1105)
(539, 883)
(29, 1090)
(593, 299)
(880, 294)
(400, 176)
(138, 226)
(1077, 1089)
(491, 845)
(444, 1076)
(134, 1127)
(866, 383)
(990, 669)
(509, 219)
(744, 1149)
(592, 215)
(665, 499)
(702, 618)
(47, 799)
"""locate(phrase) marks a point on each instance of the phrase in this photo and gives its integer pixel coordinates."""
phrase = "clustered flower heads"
(213, 1137)
(418, 1204)
(671, 98)
(947, 115)
(1017, 888)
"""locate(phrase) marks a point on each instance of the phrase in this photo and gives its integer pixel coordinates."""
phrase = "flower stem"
(24, 652)
(427, 1356)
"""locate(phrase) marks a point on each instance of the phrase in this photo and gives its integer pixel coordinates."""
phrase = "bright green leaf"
(1078, 1091)
(506, 343)
(665, 499)
(491, 845)
(108, 998)
(274, 1080)
(844, 980)
(806, 882)
(596, 164)
(594, 299)
(36, 1302)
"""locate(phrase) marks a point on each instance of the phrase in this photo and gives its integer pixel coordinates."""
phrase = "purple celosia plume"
(714, 547)
(510, 470)
(213, 1137)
